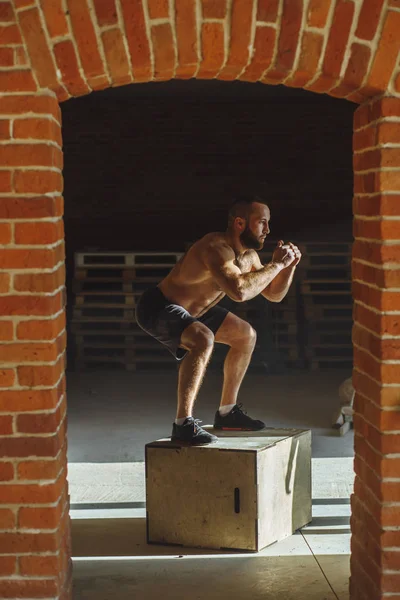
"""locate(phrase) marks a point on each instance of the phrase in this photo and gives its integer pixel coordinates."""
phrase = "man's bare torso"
(191, 284)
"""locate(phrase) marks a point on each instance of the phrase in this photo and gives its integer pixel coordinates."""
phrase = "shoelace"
(197, 425)
(240, 409)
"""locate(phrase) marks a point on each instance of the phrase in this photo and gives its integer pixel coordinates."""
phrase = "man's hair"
(241, 207)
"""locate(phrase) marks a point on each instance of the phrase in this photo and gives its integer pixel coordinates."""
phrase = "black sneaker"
(237, 420)
(192, 433)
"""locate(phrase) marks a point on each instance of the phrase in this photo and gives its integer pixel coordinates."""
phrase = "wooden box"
(244, 492)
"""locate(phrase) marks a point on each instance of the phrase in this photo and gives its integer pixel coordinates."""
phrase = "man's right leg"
(164, 321)
(199, 341)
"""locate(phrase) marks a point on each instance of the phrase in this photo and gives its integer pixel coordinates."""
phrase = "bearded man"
(182, 312)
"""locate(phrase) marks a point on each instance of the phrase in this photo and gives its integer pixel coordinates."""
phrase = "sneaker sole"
(237, 428)
(188, 443)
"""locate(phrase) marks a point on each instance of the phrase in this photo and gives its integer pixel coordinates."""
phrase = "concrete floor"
(112, 415)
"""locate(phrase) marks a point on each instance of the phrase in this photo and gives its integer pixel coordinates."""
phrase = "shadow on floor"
(113, 560)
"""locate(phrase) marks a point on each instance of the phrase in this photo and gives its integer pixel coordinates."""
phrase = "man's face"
(257, 227)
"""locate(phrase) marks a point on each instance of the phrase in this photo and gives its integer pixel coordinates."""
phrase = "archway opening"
(151, 169)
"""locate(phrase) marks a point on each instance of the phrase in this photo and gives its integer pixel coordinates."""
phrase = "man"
(182, 312)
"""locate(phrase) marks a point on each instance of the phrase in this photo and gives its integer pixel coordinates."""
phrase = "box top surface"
(246, 441)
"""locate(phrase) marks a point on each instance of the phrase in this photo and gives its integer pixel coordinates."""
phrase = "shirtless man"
(182, 312)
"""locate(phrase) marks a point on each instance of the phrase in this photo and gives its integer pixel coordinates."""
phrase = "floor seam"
(318, 563)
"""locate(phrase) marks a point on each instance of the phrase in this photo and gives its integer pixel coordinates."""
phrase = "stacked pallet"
(312, 324)
(326, 304)
(106, 288)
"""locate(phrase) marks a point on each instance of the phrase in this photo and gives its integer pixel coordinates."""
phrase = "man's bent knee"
(197, 337)
(252, 336)
(247, 338)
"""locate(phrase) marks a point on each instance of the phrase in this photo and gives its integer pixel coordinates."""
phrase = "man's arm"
(279, 286)
(239, 286)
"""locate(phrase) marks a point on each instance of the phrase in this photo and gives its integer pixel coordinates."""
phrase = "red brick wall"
(376, 338)
(34, 523)
(63, 49)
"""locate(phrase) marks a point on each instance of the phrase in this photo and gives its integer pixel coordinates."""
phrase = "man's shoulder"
(214, 240)
(215, 249)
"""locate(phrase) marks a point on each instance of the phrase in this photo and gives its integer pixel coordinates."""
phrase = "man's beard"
(250, 241)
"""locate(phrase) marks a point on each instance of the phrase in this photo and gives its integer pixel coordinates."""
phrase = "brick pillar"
(375, 561)
(34, 505)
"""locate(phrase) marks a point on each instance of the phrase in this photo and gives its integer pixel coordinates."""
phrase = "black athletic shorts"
(166, 321)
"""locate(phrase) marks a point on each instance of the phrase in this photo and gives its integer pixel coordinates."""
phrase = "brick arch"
(344, 48)
(53, 50)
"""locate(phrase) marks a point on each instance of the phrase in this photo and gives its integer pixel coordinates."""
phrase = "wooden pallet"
(332, 362)
(284, 327)
(140, 268)
(287, 351)
(282, 315)
(130, 353)
(142, 275)
(324, 299)
(339, 325)
(283, 339)
(126, 259)
(328, 311)
(137, 365)
(325, 286)
(291, 305)
(124, 313)
(132, 340)
(329, 351)
(334, 338)
(107, 330)
(97, 322)
(327, 272)
(325, 248)
(106, 299)
(329, 261)
(111, 285)
(105, 326)
(113, 295)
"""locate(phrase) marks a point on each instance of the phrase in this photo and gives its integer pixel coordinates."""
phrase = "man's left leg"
(241, 337)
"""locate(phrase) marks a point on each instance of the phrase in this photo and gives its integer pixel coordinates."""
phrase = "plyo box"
(244, 492)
